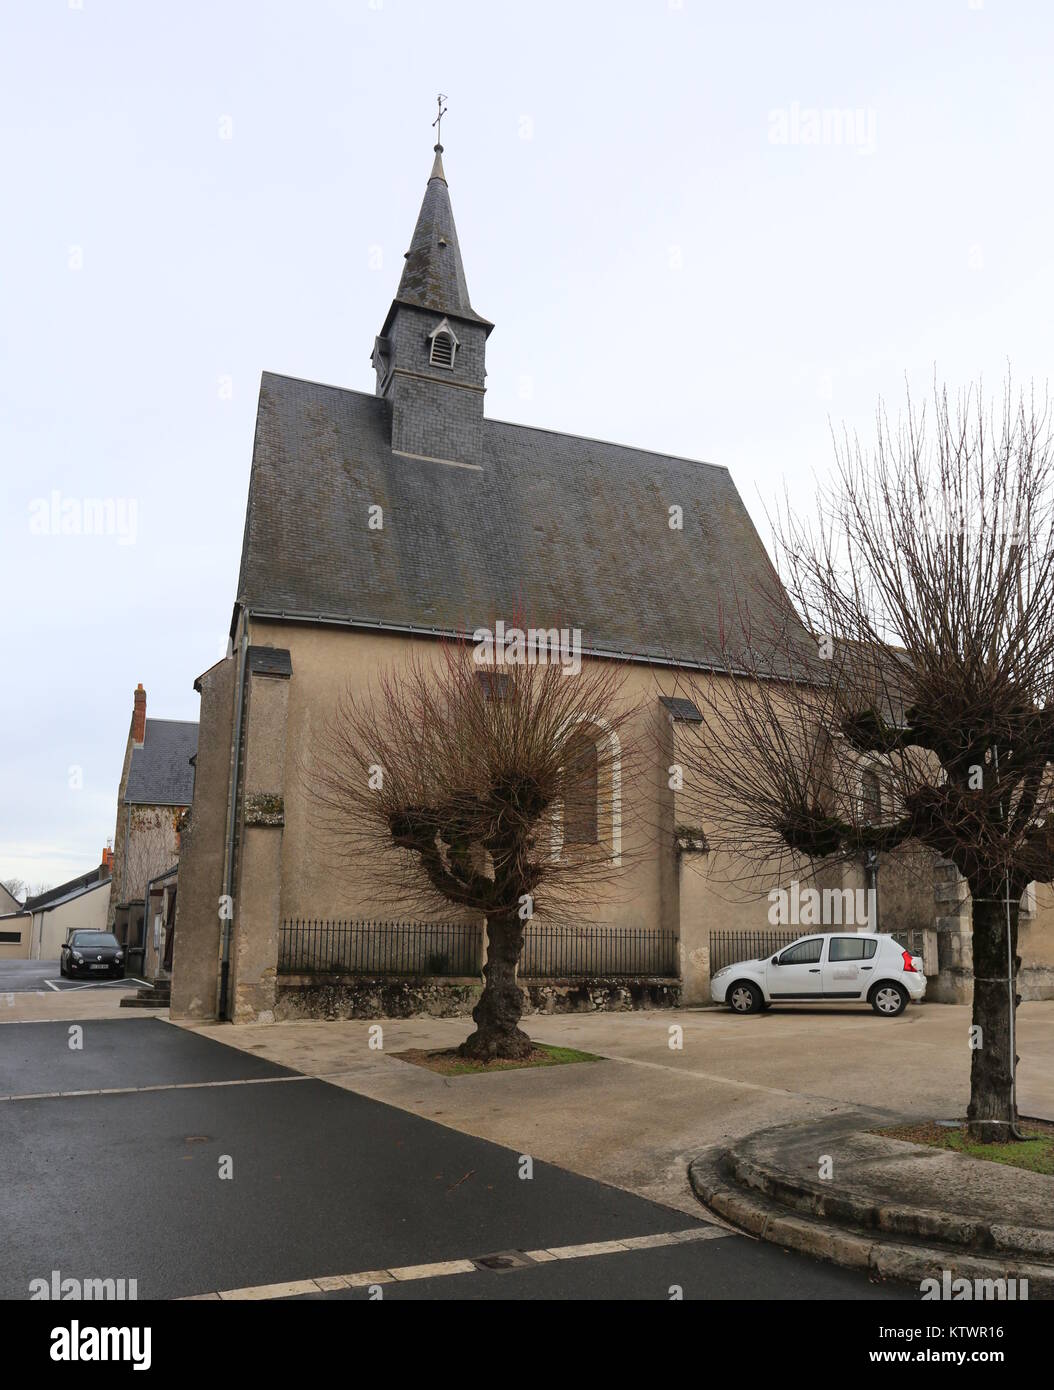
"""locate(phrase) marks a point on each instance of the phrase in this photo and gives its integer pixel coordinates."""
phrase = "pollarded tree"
(447, 783)
(926, 578)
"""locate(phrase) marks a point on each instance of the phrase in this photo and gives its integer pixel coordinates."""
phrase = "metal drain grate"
(504, 1260)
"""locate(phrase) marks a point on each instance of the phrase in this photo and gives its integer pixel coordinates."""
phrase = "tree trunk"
(992, 1111)
(501, 1003)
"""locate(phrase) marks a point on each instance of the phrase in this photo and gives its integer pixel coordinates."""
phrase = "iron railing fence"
(309, 946)
(568, 952)
(728, 947)
(355, 947)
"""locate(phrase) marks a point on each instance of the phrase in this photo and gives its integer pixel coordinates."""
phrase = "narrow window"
(580, 798)
(870, 799)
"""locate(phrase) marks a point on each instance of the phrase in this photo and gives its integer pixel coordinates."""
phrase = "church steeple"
(434, 275)
(430, 355)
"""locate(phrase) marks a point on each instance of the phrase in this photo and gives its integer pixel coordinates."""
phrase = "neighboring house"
(8, 902)
(156, 788)
(15, 925)
(377, 523)
(80, 903)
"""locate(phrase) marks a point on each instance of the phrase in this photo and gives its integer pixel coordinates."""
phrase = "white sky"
(669, 259)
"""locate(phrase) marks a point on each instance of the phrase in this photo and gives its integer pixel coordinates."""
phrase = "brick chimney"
(139, 716)
(106, 867)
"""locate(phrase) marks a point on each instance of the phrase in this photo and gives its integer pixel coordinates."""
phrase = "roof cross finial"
(438, 122)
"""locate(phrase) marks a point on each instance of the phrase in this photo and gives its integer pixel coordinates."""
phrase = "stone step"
(155, 996)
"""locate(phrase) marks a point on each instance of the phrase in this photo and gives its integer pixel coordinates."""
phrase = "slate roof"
(160, 773)
(684, 710)
(555, 529)
(433, 274)
(270, 661)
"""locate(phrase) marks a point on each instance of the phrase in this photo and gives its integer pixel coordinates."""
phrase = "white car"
(853, 968)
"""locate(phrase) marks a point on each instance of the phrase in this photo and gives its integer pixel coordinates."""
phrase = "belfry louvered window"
(442, 345)
(442, 354)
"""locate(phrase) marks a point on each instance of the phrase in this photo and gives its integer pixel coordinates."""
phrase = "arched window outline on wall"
(609, 793)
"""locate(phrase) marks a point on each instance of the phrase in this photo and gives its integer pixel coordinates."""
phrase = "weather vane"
(438, 122)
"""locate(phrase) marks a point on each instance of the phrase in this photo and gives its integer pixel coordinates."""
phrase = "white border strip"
(327, 1283)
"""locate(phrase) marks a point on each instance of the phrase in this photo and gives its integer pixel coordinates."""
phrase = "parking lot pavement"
(28, 976)
(117, 1054)
(661, 1096)
(231, 1173)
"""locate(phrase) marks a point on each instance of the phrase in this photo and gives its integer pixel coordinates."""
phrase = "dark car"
(92, 953)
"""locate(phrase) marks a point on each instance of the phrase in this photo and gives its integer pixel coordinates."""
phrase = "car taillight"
(909, 968)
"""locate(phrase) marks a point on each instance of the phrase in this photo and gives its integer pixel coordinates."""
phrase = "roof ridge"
(512, 424)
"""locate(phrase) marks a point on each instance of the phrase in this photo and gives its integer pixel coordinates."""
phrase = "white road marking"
(97, 984)
(440, 1269)
(712, 1076)
(171, 1086)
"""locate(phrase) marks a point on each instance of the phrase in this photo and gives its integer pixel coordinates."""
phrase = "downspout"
(124, 877)
(1014, 1130)
(232, 824)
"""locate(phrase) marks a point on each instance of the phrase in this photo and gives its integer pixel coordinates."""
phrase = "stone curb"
(846, 1208)
(712, 1180)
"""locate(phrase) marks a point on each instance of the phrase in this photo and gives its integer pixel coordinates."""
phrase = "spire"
(433, 276)
(431, 354)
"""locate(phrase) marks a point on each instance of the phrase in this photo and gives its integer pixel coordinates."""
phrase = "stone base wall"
(385, 997)
(1036, 982)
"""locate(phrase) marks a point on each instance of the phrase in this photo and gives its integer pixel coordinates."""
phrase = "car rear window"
(852, 948)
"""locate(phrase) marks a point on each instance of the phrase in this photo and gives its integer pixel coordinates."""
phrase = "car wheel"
(744, 998)
(889, 999)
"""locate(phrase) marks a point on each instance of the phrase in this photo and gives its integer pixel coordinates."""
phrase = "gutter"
(409, 629)
(232, 824)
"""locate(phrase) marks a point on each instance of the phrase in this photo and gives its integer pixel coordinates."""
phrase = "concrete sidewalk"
(636, 1119)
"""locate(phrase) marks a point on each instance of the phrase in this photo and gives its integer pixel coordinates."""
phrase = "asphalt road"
(128, 1183)
(32, 976)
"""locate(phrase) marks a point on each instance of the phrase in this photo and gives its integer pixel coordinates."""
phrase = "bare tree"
(149, 850)
(448, 780)
(920, 648)
(17, 887)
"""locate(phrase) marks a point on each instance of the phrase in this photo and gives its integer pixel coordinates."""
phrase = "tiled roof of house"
(160, 773)
(72, 888)
(554, 529)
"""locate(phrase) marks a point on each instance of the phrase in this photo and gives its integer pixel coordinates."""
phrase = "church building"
(381, 522)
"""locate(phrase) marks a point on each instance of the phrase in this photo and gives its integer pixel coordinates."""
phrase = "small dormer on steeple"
(430, 356)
